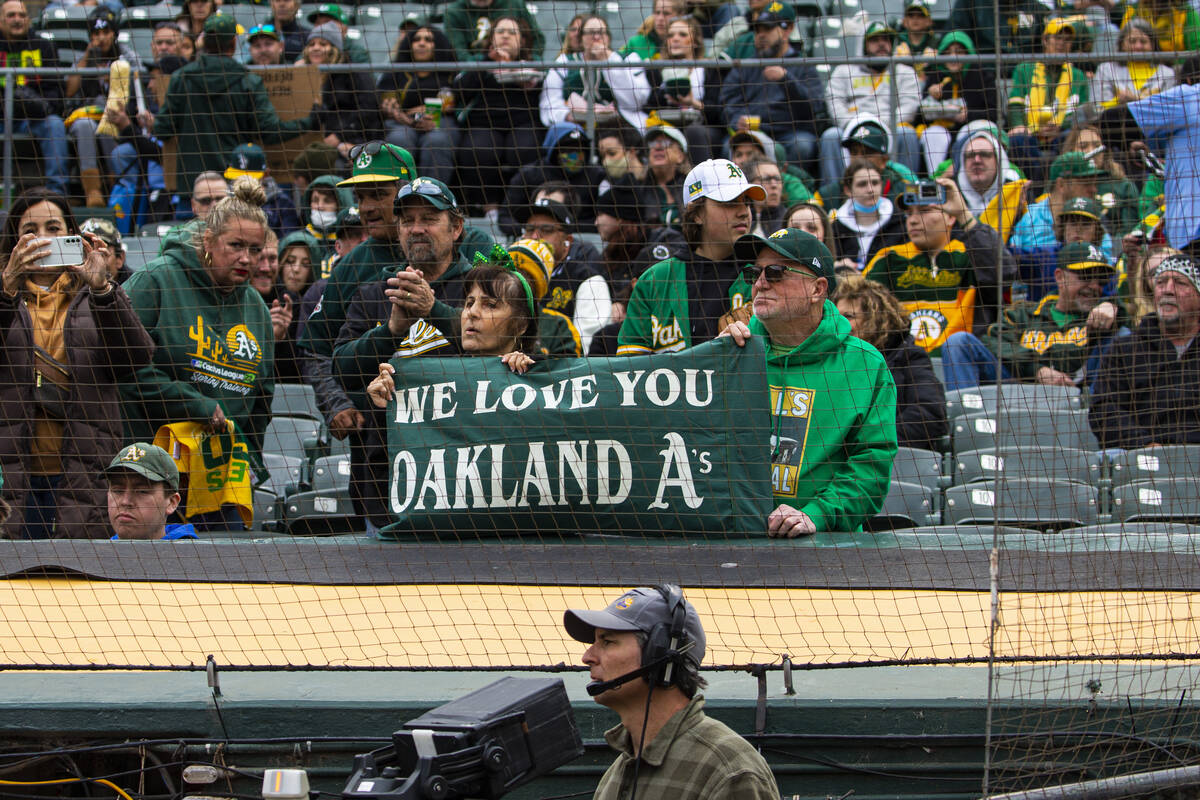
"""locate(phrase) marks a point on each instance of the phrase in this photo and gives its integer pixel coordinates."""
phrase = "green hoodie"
(214, 104)
(213, 348)
(833, 406)
(344, 198)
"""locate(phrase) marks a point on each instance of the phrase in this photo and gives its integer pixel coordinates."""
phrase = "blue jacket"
(795, 103)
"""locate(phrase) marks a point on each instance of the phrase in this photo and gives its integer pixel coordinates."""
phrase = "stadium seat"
(294, 436)
(140, 251)
(158, 229)
(295, 400)
(266, 510)
(65, 17)
(331, 472)
(1022, 428)
(1155, 464)
(1043, 463)
(378, 45)
(320, 512)
(249, 15)
(907, 505)
(388, 18)
(1176, 499)
(1023, 503)
(139, 40)
(913, 465)
(832, 45)
(938, 369)
(624, 19)
(287, 473)
(148, 16)
(1016, 396)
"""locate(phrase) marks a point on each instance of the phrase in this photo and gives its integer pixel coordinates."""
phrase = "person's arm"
(593, 308)
(857, 490)
(1165, 113)
(920, 401)
(125, 342)
(1018, 97)
(363, 343)
(629, 86)
(1112, 415)
(1004, 340)
(804, 99)
(908, 91)
(733, 96)
(839, 96)
(551, 106)
(260, 413)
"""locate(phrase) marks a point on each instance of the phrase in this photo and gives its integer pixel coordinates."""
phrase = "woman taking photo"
(216, 350)
(431, 138)
(875, 317)
(684, 301)
(498, 109)
(69, 338)
(349, 110)
(867, 222)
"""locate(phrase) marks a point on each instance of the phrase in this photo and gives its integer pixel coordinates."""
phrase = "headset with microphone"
(666, 644)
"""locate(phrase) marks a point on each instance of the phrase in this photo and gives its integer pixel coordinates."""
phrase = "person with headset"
(644, 658)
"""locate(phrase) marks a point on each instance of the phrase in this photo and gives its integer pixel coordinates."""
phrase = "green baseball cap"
(1074, 165)
(431, 190)
(776, 13)
(1083, 256)
(879, 29)
(149, 461)
(332, 10)
(246, 159)
(869, 134)
(1082, 207)
(380, 162)
(920, 5)
(794, 245)
(222, 27)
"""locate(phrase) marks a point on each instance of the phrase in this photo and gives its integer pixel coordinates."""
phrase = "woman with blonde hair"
(68, 337)
(876, 317)
(216, 343)
(650, 38)
(1136, 287)
(348, 113)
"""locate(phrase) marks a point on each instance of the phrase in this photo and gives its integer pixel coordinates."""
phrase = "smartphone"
(65, 251)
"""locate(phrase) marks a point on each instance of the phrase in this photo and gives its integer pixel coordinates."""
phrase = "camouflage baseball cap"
(147, 460)
(104, 229)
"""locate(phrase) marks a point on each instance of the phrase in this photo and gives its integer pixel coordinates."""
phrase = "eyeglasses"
(543, 229)
(594, 33)
(774, 273)
(661, 143)
(770, 179)
(982, 155)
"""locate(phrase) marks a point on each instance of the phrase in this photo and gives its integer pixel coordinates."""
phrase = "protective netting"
(446, 317)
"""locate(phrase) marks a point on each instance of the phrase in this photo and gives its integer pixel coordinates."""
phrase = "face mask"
(872, 209)
(324, 220)
(571, 161)
(617, 166)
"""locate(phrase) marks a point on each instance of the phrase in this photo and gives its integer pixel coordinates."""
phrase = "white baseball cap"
(720, 179)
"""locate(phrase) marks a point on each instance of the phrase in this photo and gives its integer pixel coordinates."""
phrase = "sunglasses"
(774, 273)
(372, 148)
(543, 229)
(424, 189)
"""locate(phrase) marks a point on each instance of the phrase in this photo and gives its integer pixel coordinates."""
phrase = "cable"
(102, 781)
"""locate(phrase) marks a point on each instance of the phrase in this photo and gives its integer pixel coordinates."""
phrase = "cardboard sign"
(292, 91)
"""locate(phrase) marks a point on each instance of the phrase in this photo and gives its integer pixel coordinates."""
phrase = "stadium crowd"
(863, 222)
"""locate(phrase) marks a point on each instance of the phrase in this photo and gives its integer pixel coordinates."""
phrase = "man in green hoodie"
(215, 104)
(833, 400)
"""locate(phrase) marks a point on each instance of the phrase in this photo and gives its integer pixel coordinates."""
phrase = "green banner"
(676, 444)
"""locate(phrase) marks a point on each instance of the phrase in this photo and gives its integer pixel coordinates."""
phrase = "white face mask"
(323, 220)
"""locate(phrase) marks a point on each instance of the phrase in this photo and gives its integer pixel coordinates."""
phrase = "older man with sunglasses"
(833, 400)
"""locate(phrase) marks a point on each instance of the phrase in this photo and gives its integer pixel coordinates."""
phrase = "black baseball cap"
(636, 610)
(553, 208)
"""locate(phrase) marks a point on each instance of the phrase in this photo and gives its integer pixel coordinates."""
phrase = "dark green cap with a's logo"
(794, 245)
(147, 460)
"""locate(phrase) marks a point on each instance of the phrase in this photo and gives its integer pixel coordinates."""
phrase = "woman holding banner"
(499, 318)
(213, 370)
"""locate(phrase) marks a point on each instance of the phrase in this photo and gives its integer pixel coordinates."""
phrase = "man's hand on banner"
(787, 522)
(738, 331)
(380, 390)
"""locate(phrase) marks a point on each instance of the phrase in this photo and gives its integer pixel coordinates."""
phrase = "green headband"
(500, 257)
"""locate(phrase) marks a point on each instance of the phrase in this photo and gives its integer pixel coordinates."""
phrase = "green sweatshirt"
(214, 104)
(468, 27)
(833, 406)
(361, 265)
(214, 348)
(658, 319)
(1030, 337)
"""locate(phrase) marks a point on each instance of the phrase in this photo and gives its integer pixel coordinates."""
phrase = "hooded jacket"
(849, 235)
(214, 104)
(978, 202)
(856, 89)
(920, 397)
(523, 187)
(1146, 393)
(833, 439)
(345, 199)
(973, 86)
(214, 348)
(105, 344)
